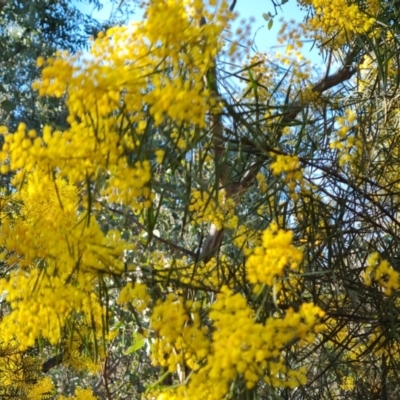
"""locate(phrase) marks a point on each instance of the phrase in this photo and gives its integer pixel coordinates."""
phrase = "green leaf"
(138, 342)
(266, 16)
(8, 105)
(270, 23)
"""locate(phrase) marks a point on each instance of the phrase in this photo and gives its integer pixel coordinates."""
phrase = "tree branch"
(52, 362)
(215, 237)
(158, 238)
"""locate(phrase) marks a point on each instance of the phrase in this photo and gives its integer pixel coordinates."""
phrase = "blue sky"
(267, 40)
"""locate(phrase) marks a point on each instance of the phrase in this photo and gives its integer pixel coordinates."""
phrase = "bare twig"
(232, 7)
(105, 378)
(328, 82)
(52, 362)
(107, 371)
(158, 238)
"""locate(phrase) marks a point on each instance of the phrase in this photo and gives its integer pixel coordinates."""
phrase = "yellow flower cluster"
(80, 154)
(290, 165)
(285, 163)
(130, 191)
(40, 311)
(50, 226)
(41, 390)
(380, 271)
(219, 211)
(107, 93)
(262, 182)
(80, 394)
(270, 260)
(19, 371)
(337, 21)
(83, 357)
(143, 51)
(246, 239)
(181, 339)
(137, 294)
(347, 383)
(345, 142)
(244, 348)
(60, 252)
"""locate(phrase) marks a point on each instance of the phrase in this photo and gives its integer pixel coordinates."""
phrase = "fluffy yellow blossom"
(219, 211)
(243, 348)
(347, 383)
(262, 182)
(137, 294)
(344, 141)
(80, 394)
(124, 63)
(270, 260)
(48, 234)
(285, 163)
(380, 271)
(340, 20)
(160, 156)
(246, 239)
(181, 340)
(43, 389)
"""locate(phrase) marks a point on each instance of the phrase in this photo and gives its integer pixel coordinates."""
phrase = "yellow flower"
(276, 253)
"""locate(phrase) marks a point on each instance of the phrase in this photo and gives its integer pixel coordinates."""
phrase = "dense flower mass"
(240, 346)
(276, 253)
(382, 272)
(339, 20)
(209, 242)
(107, 119)
(115, 96)
(218, 211)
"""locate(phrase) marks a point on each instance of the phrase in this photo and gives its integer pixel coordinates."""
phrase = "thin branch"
(158, 238)
(328, 82)
(52, 362)
(105, 378)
